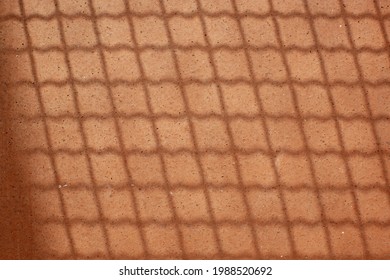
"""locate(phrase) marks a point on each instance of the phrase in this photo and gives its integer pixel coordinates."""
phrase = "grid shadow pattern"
(155, 129)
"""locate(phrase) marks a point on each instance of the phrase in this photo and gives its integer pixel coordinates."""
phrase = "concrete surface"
(156, 129)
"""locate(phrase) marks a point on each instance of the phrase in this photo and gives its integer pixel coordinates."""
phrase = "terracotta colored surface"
(195, 129)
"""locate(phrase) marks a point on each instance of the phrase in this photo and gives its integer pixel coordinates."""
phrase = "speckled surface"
(229, 129)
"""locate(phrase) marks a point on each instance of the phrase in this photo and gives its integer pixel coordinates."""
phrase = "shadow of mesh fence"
(153, 129)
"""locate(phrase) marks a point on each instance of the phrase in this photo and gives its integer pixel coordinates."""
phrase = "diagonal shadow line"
(197, 155)
(271, 152)
(340, 140)
(53, 163)
(373, 120)
(229, 131)
(381, 20)
(167, 184)
(82, 131)
(114, 116)
(301, 129)
(362, 85)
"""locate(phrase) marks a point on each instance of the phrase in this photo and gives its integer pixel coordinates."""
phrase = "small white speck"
(340, 25)
(171, 193)
(59, 186)
(342, 232)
